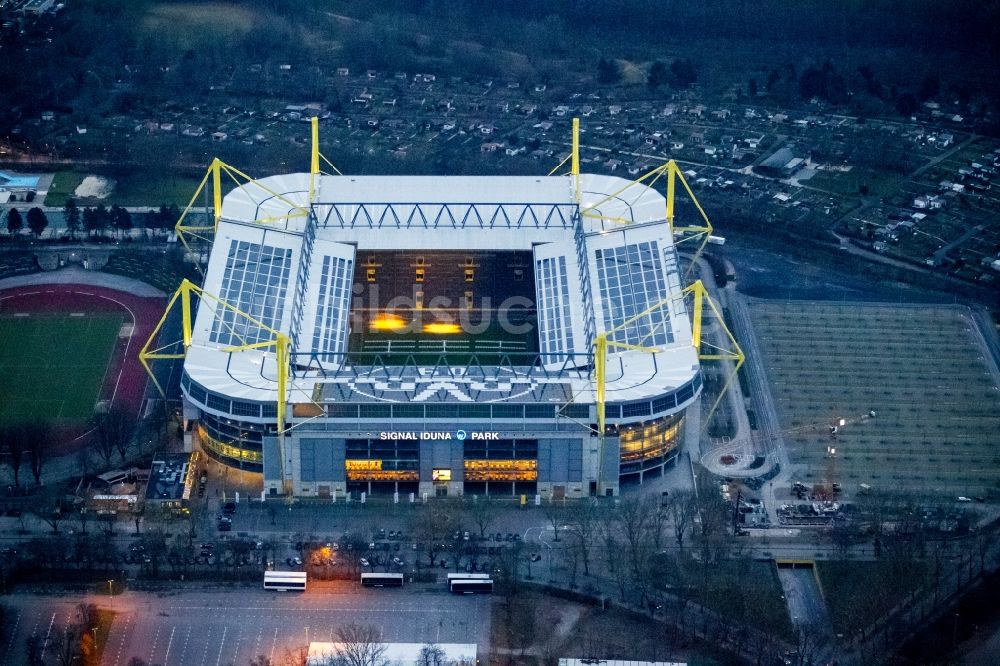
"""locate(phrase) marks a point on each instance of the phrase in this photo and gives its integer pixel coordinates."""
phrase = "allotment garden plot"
(924, 372)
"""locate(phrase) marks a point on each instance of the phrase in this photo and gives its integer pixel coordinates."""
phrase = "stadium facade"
(442, 334)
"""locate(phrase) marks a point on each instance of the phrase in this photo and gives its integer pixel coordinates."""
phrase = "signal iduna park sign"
(459, 435)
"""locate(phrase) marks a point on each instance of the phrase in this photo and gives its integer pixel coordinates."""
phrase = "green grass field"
(188, 25)
(144, 188)
(53, 365)
(746, 590)
(64, 183)
(459, 345)
(140, 188)
(847, 589)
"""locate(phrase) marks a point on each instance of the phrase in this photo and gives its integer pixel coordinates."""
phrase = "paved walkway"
(78, 275)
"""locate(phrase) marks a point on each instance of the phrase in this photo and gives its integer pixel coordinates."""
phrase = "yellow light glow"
(362, 465)
(387, 321)
(443, 328)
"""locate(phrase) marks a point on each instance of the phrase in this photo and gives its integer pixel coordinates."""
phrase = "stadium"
(500, 335)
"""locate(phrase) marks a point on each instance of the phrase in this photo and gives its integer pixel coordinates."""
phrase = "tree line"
(94, 220)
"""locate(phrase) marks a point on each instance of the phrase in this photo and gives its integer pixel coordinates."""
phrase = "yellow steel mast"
(603, 343)
(280, 342)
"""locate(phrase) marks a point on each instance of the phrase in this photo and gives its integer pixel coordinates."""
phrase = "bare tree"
(431, 655)
(984, 542)
(86, 614)
(5, 614)
(13, 442)
(33, 650)
(65, 644)
(113, 432)
(583, 526)
(352, 549)
(155, 545)
(360, 645)
(295, 657)
(84, 461)
(682, 508)
(46, 506)
(37, 438)
(875, 508)
(483, 513)
(634, 514)
(433, 529)
(555, 513)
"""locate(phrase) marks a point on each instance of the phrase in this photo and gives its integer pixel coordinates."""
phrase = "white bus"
(469, 583)
(382, 580)
(285, 581)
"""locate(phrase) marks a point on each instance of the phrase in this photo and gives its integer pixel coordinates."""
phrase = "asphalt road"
(805, 601)
(231, 627)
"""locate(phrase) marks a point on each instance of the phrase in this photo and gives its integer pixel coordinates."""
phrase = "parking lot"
(924, 372)
(231, 627)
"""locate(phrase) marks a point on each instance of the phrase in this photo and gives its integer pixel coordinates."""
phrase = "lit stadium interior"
(437, 302)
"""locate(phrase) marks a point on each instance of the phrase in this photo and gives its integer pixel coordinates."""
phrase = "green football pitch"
(52, 366)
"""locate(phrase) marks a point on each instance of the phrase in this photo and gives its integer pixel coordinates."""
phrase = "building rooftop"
(399, 654)
(170, 479)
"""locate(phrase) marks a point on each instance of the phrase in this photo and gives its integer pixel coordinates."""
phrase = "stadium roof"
(399, 654)
(294, 272)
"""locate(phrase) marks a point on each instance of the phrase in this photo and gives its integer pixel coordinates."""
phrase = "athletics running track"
(125, 380)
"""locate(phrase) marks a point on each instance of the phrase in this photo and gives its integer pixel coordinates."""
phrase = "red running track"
(125, 379)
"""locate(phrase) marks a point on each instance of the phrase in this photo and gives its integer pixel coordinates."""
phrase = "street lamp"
(111, 594)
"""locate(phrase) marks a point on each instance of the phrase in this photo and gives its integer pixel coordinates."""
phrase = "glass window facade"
(233, 442)
(649, 443)
(330, 327)
(631, 279)
(555, 325)
(501, 460)
(255, 281)
(382, 460)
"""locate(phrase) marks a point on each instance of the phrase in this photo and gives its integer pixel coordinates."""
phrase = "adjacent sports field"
(53, 365)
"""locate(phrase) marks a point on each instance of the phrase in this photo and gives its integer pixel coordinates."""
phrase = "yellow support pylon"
(280, 342)
(314, 161)
(575, 164)
(603, 343)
